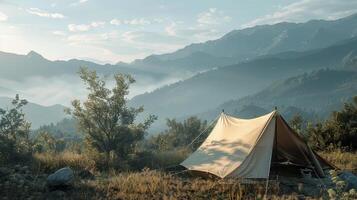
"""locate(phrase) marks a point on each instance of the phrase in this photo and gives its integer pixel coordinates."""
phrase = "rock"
(25, 169)
(61, 178)
(4, 171)
(350, 179)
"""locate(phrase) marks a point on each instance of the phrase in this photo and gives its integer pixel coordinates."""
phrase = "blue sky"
(116, 30)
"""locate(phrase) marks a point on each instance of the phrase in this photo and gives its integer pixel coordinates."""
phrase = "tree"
(14, 131)
(297, 123)
(340, 130)
(46, 142)
(105, 119)
(180, 134)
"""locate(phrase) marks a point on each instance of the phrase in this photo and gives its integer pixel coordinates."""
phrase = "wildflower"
(331, 193)
(333, 173)
(340, 184)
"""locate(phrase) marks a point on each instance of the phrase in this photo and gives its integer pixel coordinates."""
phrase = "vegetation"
(339, 131)
(106, 120)
(179, 135)
(14, 133)
(126, 165)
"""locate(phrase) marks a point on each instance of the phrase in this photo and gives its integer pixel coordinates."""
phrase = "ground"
(29, 182)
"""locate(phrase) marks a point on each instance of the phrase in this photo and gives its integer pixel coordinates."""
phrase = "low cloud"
(63, 89)
(3, 17)
(43, 13)
(308, 9)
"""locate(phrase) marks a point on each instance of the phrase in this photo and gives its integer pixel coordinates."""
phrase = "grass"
(150, 184)
(47, 162)
(341, 159)
(155, 184)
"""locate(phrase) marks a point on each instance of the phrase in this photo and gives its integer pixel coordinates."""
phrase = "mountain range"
(233, 72)
(207, 90)
(250, 43)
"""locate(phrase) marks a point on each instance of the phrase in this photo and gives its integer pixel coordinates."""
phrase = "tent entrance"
(291, 155)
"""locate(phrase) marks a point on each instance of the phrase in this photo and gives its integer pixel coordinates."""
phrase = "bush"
(14, 133)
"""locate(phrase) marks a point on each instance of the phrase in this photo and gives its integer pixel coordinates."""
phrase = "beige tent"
(252, 148)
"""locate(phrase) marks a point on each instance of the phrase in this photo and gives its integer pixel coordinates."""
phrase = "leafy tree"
(296, 123)
(340, 130)
(105, 119)
(14, 131)
(180, 134)
(46, 142)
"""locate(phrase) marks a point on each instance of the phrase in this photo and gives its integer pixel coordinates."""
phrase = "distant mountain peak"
(34, 54)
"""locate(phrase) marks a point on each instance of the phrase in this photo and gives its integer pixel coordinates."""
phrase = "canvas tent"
(251, 148)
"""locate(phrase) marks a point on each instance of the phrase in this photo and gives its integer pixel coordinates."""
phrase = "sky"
(109, 31)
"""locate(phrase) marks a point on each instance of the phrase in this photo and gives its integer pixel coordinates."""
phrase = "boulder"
(61, 178)
(350, 179)
(4, 171)
(86, 174)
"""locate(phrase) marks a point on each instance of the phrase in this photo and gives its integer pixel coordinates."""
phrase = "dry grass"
(46, 162)
(341, 159)
(151, 184)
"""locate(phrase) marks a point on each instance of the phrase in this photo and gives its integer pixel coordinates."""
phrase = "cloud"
(59, 33)
(92, 39)
(197, 33)
(152, 42)
(84, 27)
(136, 21)
(78, 2)
(3, 17)
(115, 22)
(43, 13)
(212, 17)
(170, 29)
(308, 9)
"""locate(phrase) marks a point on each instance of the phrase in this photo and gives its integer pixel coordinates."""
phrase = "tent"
(253, 148)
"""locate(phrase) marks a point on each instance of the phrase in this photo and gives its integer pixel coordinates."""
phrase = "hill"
(36, 114)
(18, 67)
(206, 90)
(312, 95)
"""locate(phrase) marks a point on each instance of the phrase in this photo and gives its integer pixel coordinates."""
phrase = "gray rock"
(61, 178)
(350, 179)
(4, 171)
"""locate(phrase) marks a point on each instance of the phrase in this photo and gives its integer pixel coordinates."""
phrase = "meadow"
(91, 183)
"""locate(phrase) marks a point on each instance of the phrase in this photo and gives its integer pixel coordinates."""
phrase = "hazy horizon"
(60, 30)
